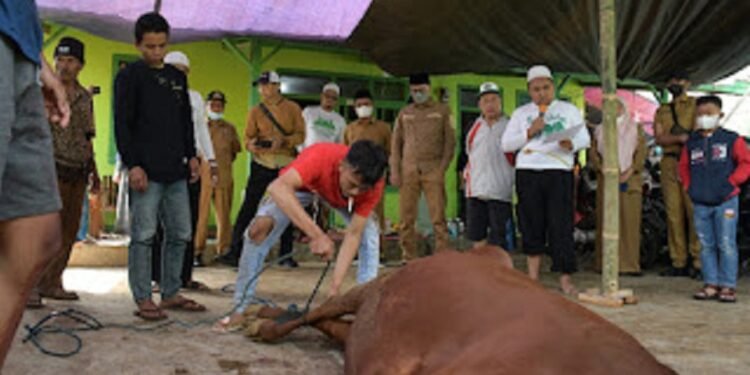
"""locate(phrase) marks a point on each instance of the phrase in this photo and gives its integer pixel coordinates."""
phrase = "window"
(468, 97)
(389, 90)
(349, 86)
(302, 85)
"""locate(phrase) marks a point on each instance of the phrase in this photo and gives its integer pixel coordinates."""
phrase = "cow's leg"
(330, 312)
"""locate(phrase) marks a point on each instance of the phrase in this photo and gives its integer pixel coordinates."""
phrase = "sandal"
(181, 303)
(707, 292)
(35, 301)
(197, 286)
(149, 311)
(229, 324)
(727, 295)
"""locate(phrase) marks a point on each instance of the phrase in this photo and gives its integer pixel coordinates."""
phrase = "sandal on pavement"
(149, 311)
(708, 292)
(181, 303)
(727, 295)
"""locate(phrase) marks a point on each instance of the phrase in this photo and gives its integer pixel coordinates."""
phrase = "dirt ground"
(693, 337)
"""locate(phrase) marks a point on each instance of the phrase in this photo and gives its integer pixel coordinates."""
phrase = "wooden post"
(611, 209)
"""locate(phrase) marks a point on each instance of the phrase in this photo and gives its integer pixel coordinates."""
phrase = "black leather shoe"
(695, 274)
(198, 261)
(674, 272)
(632, 274)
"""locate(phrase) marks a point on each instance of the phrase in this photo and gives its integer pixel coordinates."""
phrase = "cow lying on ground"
(464, 313)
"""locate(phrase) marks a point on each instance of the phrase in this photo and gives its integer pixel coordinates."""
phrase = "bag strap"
(674, 115)
(275, 123)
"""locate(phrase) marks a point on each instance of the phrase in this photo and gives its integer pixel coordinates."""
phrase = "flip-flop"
(150, 314)
(183, 304)
(224, 325)
(34, 302)
(197, 286)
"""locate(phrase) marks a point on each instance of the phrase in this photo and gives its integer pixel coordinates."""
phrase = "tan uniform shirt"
(226, 147)
(259, 126)
(422, 137)
(369, 129)
(685, 108)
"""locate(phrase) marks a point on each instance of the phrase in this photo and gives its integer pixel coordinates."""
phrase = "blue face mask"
(420, 96)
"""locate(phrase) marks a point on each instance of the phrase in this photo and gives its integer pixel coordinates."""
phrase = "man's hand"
(195, 171)
(95, 183)
(214, 172)
(322, 246)
(55, 99)
(683, 138)
(536, 127)
(252, 148)
(138, 179)
(395, 179)
(566, 144)
(276, 143)
(333, 290)
(625, 176)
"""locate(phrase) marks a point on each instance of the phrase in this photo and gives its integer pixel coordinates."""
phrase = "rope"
(85, 322)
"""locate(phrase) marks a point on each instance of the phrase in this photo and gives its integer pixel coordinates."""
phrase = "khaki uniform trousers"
(413, 183)
(679, 209)
(630, 225)
(72, 194)
(222, 199)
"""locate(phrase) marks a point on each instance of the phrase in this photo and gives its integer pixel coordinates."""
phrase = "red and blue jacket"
(712, 167)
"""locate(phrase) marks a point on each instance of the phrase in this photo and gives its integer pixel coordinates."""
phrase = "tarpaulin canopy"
(330, 20)
(709, 38)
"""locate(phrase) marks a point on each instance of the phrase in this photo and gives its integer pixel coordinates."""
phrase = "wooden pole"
(611, 209)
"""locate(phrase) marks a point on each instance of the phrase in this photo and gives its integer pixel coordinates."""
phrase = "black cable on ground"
(86, 322)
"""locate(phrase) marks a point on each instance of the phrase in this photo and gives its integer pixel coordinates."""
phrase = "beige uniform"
(289, 115)
(226, 146)
(681, 229)
(421, 150)
(378, 132)
(630, 208)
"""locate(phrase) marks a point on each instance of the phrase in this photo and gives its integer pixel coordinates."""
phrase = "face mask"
(420, 97)
(707, 122)
(215, 115)
(364, 111)
(675, 89)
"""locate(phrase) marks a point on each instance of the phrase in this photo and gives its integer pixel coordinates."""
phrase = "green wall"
(215, 66)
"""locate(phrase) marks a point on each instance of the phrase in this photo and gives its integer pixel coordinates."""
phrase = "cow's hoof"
(252, 328)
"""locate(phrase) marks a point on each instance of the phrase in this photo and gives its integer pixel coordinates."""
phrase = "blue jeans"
(253, 254)
(168, 202)
(84, 226)
(717, 230)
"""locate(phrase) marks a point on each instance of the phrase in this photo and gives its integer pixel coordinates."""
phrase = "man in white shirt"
(488, 174)
(547, 133)
(205, 152)
(323, 123)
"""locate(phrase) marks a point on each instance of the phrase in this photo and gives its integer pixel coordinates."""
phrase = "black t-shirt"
(153, 121)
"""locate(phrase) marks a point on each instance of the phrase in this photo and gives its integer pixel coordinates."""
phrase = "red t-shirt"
(318, 166)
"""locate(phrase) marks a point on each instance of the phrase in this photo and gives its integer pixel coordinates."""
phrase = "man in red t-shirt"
(350, 181)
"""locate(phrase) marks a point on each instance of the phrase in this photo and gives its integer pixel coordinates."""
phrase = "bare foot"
(231, 323)
(567, 286)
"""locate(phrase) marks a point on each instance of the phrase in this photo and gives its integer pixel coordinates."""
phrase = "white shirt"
(322, 126)
(203, 145)
(488, 174)
(535, 153)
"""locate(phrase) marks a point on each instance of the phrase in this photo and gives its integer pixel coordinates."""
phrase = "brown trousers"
(72, 194)
(680, 227)
(630, 225)
(413, 183)
(222, 198)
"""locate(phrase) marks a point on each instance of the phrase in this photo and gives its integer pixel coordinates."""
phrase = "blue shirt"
(19, 21)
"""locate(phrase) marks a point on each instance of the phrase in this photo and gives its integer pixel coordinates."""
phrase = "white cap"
(538, 71)
(267, 77)
(177, 57)
(489, 88)
(332, 86)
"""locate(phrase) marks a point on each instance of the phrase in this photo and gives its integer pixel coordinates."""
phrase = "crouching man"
(350, 181)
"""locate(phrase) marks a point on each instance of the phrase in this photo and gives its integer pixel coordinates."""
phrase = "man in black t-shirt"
(154, 133)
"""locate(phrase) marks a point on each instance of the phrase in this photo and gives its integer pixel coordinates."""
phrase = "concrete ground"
(693, 337)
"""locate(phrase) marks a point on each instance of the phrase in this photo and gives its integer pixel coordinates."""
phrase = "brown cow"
(464, 313)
